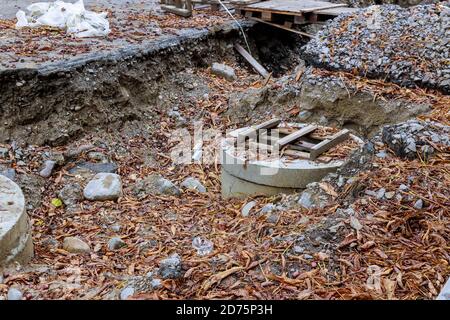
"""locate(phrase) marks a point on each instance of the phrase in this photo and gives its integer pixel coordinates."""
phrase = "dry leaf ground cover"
(30, 47)
(399, 252)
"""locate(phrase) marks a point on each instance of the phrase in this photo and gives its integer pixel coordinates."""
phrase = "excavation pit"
(254, 167)
(15, 236)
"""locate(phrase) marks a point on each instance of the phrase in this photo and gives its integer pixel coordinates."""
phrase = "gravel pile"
(366, 3)
(406, 46)
(416, 138)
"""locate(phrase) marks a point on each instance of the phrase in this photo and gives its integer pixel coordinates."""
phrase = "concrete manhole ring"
(15, 236)
(279, 172)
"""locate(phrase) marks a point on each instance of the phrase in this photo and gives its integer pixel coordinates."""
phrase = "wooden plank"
(283, 27)
(255, 64)
(327, 144)
(248, 14)
(266, 16)
(292, 6)
(336, 11)
(273, 123)
(259, 146)
(299, 19)
(295, 135)
(296, 153)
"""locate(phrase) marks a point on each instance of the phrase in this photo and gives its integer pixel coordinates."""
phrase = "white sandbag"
(73, 17)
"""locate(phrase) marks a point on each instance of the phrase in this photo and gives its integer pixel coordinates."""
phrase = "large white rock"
(104, 186)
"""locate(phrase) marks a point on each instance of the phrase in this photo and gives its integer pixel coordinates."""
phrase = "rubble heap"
(408, 46)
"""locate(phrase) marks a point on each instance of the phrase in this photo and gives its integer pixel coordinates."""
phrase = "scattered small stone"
(98, 156)
(381, 154)
(116, 243)
(380, 193)
(155, 184)
(418, 204)
(272, 218)
(355, 224)
(247, 207)
(308, 256)
(223, 70)
(403, 187)
(58, 157)
(203, 246)
(304, 115)
(389, 195)
(115, 228)
(70, 195)
(298, 249)
(267, 208)
(170, 268)
(104, 186)
(94, 167)
(14, 294)
(47, 169)
(126, 293)
(156, 284)
(335, 228)
(75, 245)
(193, 184)
(305, 200)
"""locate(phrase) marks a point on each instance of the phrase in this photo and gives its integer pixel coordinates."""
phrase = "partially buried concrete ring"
(15, 236)
(286, 174)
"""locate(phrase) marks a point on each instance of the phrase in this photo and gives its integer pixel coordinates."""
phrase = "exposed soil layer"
(56, 102)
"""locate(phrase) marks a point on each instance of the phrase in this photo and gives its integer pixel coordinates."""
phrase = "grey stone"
(14, 294)
(170, 268)
(247, 207)
(267, 208)
(223, 70)
(156, 284)
(126, 293)
(389, 195)
(403, 187)
(70, 195)
(272, 218)
(418, 204)
(355, 224)
(115, 228)
(381, 154)
(104, 186)
(193, 184)
(304, 115)
(380, 193)
(109, 167)
(47, 169)
(75, 245)
(116, 243)
(298, 249)
(98, 156)
(155, 184)
(305, 200)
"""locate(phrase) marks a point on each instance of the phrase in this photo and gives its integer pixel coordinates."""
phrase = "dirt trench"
(56, 104)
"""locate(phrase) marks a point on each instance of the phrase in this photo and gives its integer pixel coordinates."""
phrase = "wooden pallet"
(301, 143)
(285, 14)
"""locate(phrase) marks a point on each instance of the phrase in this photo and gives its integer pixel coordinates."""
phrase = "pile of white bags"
(72, 17)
